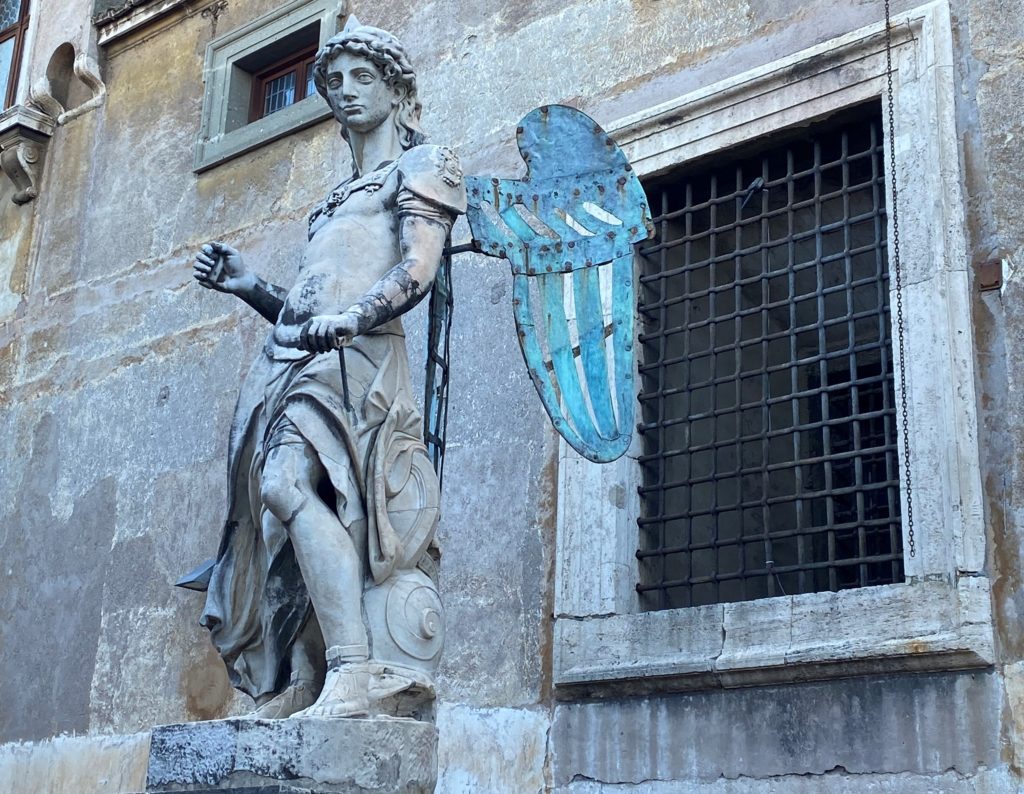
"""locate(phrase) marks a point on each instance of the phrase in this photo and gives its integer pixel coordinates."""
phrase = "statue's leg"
(306, 659)
(307, 655)
(331, 570)
(326, 554)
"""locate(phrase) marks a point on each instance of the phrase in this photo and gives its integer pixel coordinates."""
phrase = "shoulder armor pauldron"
(433, 173)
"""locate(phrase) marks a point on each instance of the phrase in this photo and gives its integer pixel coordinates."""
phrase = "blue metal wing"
(568, 229)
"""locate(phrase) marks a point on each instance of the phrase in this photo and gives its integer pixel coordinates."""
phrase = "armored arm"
(264, 297)
(218, 266)
(431, 196)
(406, 283)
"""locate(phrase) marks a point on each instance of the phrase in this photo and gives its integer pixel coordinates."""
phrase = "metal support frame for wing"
(435, 398)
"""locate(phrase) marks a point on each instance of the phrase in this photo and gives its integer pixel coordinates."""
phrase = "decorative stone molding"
(42, 94)
(24, 135)
(115, 19)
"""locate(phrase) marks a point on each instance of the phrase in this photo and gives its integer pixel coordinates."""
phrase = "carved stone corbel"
(24, 135)
(84, 68)
(88, 71)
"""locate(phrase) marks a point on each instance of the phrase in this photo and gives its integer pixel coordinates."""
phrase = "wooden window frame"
(301, 63)
(17, 32)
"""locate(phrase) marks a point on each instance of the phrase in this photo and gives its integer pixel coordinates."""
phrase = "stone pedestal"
(315, 756)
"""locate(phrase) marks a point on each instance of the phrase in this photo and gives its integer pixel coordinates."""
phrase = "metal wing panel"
(623, 332)
(550, 288)
(591, 329)
(579, 210)
(541, 376)
(577, 221)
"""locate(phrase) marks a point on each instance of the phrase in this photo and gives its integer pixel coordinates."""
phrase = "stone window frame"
(215, 143)
(940, 618)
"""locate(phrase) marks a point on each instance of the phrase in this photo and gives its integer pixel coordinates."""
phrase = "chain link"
(897, 268)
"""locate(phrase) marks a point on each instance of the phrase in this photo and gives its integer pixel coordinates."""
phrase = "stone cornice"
(27, 119)
(132, 15)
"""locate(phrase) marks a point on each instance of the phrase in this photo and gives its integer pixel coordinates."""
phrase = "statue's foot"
(297, 696)
(346, 693)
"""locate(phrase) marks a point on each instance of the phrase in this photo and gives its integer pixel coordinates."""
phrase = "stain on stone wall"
(990, 38)
(924, 725)
(54, 568)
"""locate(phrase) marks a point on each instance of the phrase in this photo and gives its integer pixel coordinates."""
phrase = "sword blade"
(344, 380)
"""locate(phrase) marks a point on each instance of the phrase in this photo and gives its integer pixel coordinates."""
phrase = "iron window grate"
(280, 93)
(768, 413)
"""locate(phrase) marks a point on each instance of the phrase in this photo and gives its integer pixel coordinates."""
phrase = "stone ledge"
(355, 756)
(248, 790)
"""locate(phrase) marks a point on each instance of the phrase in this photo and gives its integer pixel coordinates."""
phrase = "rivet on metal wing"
(568, 228)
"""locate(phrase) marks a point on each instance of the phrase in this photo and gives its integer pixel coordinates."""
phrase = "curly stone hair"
(389, 55)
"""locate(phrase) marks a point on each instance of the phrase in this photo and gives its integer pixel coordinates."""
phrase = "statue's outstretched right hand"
(219, 266)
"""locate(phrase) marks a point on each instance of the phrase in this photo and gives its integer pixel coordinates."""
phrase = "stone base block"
(319, 756)
(247, 790)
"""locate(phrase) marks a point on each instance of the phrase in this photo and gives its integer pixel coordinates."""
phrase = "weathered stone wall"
(118, 379)
(991, 34)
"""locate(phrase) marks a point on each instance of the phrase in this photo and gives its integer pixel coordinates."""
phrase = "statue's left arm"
(403, 286)
(429, 199)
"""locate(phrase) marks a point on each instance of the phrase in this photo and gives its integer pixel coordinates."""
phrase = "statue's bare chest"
(353, 241)
(359, 199)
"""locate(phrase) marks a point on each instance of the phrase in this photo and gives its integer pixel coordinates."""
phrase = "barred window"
(258, 77)
(768, 423)
(13, 24)
(284, 83)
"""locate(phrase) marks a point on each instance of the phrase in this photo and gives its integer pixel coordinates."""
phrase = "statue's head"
(390, 63)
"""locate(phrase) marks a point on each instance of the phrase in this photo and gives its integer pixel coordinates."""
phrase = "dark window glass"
(768, 421)
(13, 24)
(10, 13)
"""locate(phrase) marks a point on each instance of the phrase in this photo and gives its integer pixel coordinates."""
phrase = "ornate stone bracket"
(24, 135)
(85, 69)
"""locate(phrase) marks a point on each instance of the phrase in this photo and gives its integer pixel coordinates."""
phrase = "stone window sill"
(893, 628)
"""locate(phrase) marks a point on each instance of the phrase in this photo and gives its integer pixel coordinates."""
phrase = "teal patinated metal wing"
(568, 228)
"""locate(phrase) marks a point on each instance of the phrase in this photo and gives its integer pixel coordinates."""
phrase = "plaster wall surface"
(118, 377)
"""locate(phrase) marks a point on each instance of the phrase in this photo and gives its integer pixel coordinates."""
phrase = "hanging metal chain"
(897, 268)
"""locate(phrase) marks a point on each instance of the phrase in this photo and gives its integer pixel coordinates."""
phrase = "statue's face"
(356, 87)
